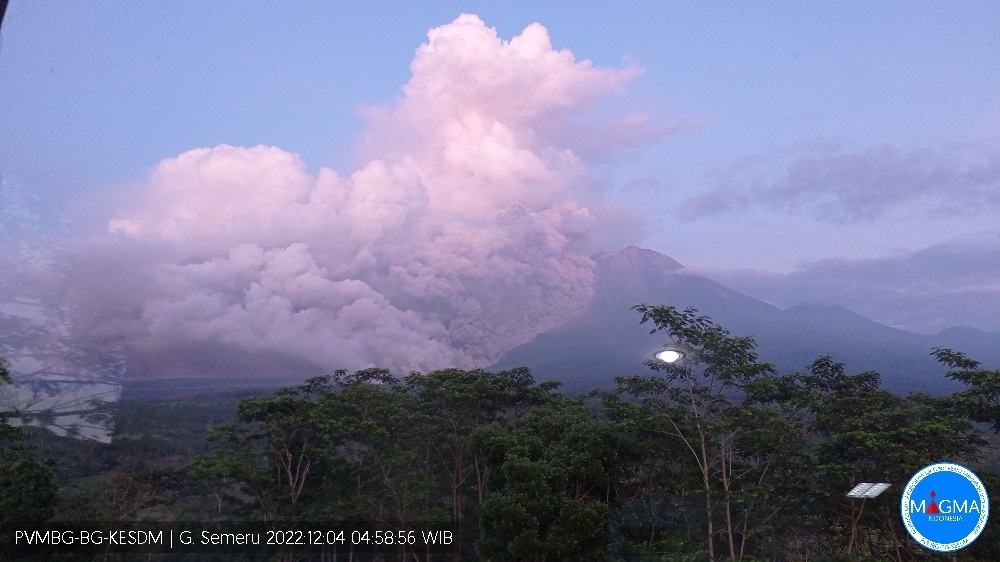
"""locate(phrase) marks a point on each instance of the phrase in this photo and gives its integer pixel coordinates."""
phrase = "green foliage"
(981, 399)
(691, 405)
(368, 446)
(28, 490)
(716, 457)
(558, 471)
(867, 434)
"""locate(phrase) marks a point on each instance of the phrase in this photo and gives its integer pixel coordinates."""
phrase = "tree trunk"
(725, 488)
(855, 520)
(708, 493)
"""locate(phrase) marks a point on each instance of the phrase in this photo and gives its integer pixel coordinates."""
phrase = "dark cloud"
(953, 283)
(833, 184)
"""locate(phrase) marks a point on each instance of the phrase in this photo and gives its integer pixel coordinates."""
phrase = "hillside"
(605, 339)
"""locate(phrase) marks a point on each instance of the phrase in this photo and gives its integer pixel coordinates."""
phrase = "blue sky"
(795, 151)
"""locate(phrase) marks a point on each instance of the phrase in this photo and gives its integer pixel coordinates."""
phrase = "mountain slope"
(605, 338)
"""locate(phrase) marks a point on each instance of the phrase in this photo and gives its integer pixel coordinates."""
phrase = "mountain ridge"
(605, 339)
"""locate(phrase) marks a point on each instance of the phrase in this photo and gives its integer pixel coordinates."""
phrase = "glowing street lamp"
(670, 354)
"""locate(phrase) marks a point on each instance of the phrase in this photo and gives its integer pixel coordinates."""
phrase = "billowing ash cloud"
(464, 235)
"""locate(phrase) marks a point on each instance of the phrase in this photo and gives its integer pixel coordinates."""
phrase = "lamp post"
(863, 491)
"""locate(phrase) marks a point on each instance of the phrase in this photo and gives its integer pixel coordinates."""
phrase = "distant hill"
(605, 338)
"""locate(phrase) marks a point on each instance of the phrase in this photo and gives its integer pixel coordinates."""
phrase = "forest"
(715, 457)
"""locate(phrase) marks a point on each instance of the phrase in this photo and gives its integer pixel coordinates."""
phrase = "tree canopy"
(714, 457)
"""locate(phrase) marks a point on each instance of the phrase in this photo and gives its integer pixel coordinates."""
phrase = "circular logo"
(945, 507)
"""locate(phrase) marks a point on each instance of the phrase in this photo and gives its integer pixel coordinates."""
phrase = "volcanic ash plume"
(463, 236)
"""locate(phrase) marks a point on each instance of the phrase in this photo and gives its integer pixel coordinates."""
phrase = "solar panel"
(867, 490)
(876, 490)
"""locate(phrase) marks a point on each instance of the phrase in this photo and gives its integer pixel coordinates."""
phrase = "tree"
(869, 434)
(716, 367)
(980, 401)
(715, 457)
(557, 472)
(694, 401)
(28, 484)
(280, 445)
(450, 406)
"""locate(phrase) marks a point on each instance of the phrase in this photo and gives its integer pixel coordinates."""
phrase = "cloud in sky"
(947, 284)
(833, 184)
(464, 234)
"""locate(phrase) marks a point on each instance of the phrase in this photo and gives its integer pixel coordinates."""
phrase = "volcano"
(605, 339)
